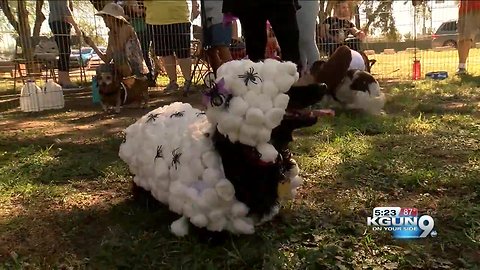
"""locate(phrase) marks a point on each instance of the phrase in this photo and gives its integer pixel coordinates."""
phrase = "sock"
(462, 65)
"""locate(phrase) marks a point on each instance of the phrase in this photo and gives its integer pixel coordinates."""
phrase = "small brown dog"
(117, 91)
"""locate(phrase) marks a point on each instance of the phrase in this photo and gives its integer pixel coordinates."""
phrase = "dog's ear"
(307, 95)
(335, 69)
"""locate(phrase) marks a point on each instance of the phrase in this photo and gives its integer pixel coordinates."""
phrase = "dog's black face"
(256, 181)
(361, 80)
(297, 116)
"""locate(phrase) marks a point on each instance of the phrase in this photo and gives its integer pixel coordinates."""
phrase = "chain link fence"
(406, 41)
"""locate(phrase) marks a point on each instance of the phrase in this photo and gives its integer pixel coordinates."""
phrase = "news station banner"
(404, 223)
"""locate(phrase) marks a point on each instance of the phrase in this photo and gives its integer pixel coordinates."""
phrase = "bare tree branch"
(9, 14)
(39, 18)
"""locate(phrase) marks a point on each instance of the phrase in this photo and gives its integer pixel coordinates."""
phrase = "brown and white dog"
(116, 91)
(346, 74)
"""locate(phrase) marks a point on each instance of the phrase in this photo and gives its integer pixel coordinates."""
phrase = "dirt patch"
(80, 116)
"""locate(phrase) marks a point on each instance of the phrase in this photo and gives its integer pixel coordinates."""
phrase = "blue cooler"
(437, 75)
(95, 92)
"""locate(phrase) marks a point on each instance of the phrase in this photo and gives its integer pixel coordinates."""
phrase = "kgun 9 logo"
(404, 223)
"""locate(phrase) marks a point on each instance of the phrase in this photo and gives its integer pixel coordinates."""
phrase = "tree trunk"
(9, 14)
(39, 18)
(25, 35)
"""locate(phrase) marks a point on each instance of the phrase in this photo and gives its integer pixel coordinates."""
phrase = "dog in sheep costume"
(228, 167)
(348, 76)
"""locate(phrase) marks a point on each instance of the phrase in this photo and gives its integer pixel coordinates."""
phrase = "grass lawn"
(66, 203)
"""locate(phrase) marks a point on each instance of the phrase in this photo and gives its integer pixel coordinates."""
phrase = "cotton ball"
(125, 151)
(213, 115)
(209, 197)
(263, 135)
(217, 225)
(243, 227)
(179, 227)
(210, 159)
(177, 188)
(188, 209)
(192, 194)
(238, 87)
(160, 168)
(248, 134)
(254, 117)
(238, 106)
(225, 190)
(185, 175)
(160, 195)
(251, 98)
(199, 220)
(269, 70)
(281, 101)
(215, 214)
(231, 123)
(296, 182)
(288, 67)
(284, 83)
(265, 102)
(211, 176)
(233, 136)
(274, 117)
(239, 209)
(163, 183)
(197, 167)
(175, 203)
(255, 86)
(268, 153)
(270, 89)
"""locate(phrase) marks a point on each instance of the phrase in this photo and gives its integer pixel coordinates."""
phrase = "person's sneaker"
(461, 71)
(172, 86)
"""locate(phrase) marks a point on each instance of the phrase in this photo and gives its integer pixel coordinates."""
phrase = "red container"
(417, 70)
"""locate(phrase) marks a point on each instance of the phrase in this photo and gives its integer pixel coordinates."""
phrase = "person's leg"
(307, 26)
(214, 58)
(162, 39)
(284, 23)
(182, 49)
(61, 32)
(255, 32)
(467, 29)
(221, 38)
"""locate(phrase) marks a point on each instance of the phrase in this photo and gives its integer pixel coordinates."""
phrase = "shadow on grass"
(131, 235)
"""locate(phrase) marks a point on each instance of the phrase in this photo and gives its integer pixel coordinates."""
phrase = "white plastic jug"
(29, 97)
(53, 96)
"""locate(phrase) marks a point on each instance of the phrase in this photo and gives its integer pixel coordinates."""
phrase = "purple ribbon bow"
(216, 95)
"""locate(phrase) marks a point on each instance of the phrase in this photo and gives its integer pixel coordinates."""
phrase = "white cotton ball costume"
(171, 154)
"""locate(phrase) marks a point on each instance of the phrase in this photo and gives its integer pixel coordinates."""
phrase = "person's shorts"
(218, 35)
(171, 39)
(469, 25)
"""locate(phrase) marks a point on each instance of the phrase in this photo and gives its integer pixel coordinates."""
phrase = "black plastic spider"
(177, 114)
(200, 113)
(250, 76)
(159, 152)
(152, 117)
(176, 157)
